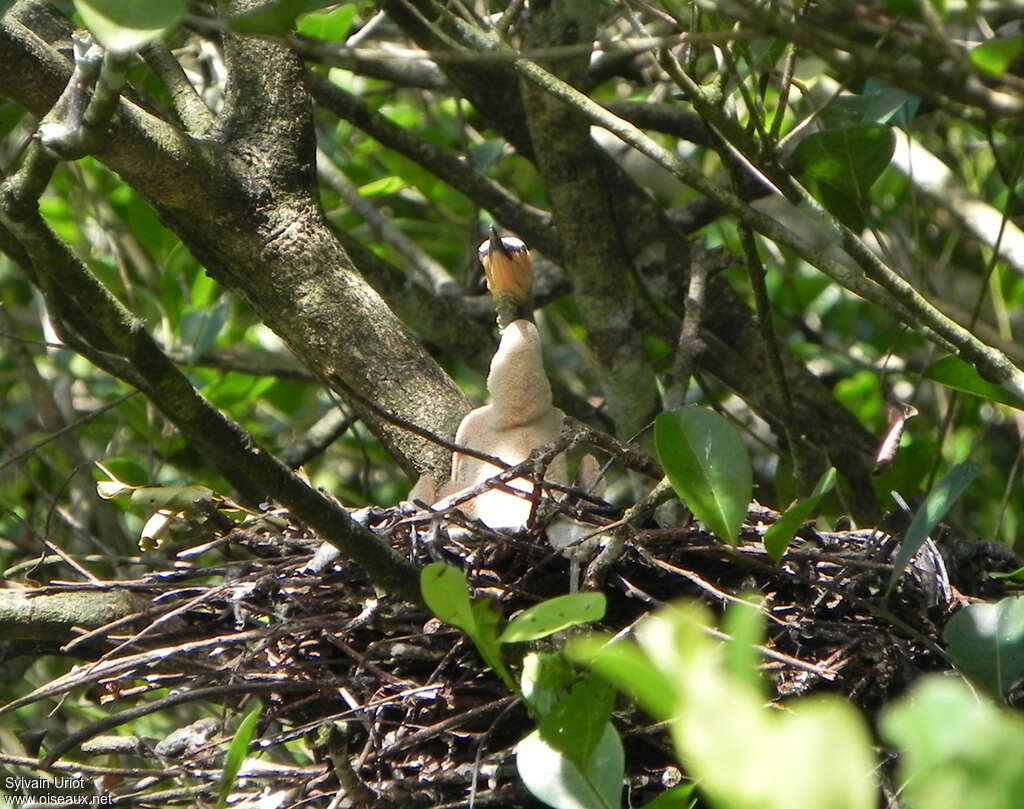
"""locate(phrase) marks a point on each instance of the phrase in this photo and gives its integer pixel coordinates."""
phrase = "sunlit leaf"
(938, 501)
(997, 54)
(957, 749)
(624, 664)
(744, 624)
(986, 641)
(778, 537)
(382, 187)
(553, 779)
(236, 755)
(708, 466)
(446, 592)
(332, 26)
(954, 373)
(181, 498)
(575, 724)
(554, 615)
(127, 25)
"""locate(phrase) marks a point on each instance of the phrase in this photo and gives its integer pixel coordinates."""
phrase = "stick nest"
(382, 703)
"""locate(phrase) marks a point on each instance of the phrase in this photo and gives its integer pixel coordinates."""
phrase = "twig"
(430, 271)
(533, 224)
(191, 109)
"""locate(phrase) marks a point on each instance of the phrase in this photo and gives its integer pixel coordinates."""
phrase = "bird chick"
(519, 418)
(508, 268)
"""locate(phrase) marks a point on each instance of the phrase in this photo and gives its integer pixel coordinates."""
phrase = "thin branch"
(430, 271)
(192, 111)
(885, 287)
(533, 224)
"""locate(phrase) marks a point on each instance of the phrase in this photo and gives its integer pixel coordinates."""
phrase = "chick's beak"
(495, 246)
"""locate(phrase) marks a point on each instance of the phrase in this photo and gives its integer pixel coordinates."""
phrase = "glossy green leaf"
(127, 25)
(624, 665)
(332, 25)
(957, 750)
(236, 755)
(575, 724)
(553, 779)
(954, 373)
(446, 592)
(841, 165)
(708, 466)
(884, 103)
(986, 641)
(997, 54)
(554, 615)
(680, 797)
(275, 17)
(778, 536)
(938, 501)
(382, 187)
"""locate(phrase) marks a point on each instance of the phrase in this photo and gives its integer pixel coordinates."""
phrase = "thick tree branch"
(247, 209)
(248, 467)
(592, 251)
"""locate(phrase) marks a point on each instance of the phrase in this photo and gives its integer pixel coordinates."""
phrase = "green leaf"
(997, 54)
(1015, 575)
(576, 723)
(544, 678)
(382, 187)
(331, 25)
(884, 103)
(680, 797)
(126, 25)
(939, 500)
(744, 624)
(485, 153)
(624, 665)
(957, 750)
(199, 328)
(954, 373)
(123, 469)
(179, 498)
(841, 165)
(986, 641)
(816, 753)
(708, 467)
(446, 592)
(276, 18)
(236, 755)
(554, 780)
(778, 537)
(554, 615)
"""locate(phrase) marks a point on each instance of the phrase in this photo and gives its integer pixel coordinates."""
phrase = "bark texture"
(243, 200)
